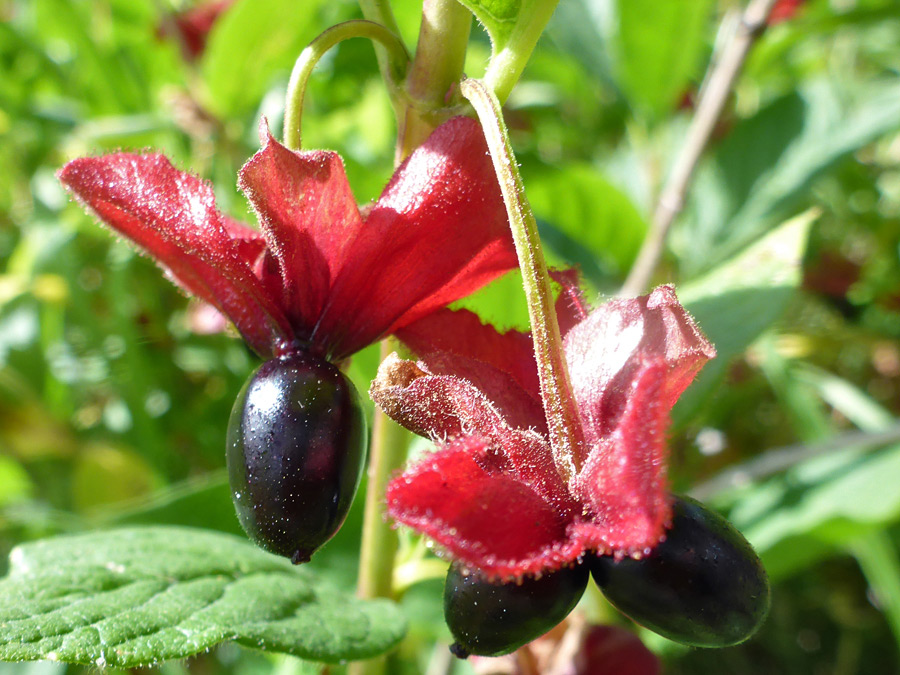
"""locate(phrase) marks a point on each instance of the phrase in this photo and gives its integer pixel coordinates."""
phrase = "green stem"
(379, 11)
(435, 72)
(508, 62)
(556, 388)
(397, 55)
(379, 540)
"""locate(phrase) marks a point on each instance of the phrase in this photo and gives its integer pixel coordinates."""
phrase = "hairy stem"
(719, 83)
(397, 57)
(556, 389)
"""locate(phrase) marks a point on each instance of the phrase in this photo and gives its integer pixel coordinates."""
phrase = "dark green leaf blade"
(138, 596)
(766, 167)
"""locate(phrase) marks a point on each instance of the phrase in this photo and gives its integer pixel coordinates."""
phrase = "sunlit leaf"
(132, 597)
(251, 43)
(596, 218)
(658, 49)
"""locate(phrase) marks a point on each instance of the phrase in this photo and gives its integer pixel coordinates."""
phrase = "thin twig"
(780, 459)
(718, 85)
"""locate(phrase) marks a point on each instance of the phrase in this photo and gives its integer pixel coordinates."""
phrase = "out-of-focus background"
(114, 396)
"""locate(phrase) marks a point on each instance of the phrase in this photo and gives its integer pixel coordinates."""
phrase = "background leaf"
(134, 597)
(768, 163)
(738, 300)
(657, 50)
(254, 41)
(589, 221)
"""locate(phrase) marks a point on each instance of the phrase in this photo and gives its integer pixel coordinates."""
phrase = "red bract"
(784, 10)
(195, 24)
(319, 276)
(491, 494)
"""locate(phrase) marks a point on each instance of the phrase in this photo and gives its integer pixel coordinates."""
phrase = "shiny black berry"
(296, 450)
(703, 586)
(490, 619)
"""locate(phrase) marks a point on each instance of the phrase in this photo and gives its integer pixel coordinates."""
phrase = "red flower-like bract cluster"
(318, 276)
(491, 494)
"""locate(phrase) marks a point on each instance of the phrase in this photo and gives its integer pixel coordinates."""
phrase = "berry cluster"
(703, 586)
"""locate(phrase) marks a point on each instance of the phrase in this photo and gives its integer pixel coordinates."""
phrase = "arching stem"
(309, 57)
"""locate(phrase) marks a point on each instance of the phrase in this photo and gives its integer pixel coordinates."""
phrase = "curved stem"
(719, 83)
(556, 388)
(508, 62)
(309, 57)
(379, 11)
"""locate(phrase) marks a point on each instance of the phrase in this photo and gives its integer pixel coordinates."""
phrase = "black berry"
(703, 586)
(296, 450)
(491, 619)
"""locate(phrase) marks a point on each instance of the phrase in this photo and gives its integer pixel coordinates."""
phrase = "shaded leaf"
(833, 498)
(658, 49)
(137, 596)
(770, 160)
(737, 301)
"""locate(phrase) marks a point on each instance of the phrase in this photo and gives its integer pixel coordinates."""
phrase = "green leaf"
(15, 485)
(737, 301)
(498, 17)
(801, 406)
(849, 400)
(658, 49)
(769, 161)
(138, 596)
(249, 45)
(501, 302)
(833, 498)
(588, 213)
(877, 557)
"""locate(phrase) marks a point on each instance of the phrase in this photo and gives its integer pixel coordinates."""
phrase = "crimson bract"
(491, 495)
(317, 278)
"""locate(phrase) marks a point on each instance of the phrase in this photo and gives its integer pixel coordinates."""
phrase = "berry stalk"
(556, 388)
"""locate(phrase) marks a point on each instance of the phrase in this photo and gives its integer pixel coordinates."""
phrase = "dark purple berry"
(703, 586)
(296, 450)
(490, 619)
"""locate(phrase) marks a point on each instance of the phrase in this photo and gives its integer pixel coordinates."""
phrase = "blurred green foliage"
(113, 402)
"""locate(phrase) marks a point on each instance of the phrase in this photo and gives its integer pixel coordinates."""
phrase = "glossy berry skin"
(703, 586)
(491, 619)
(295, 451)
